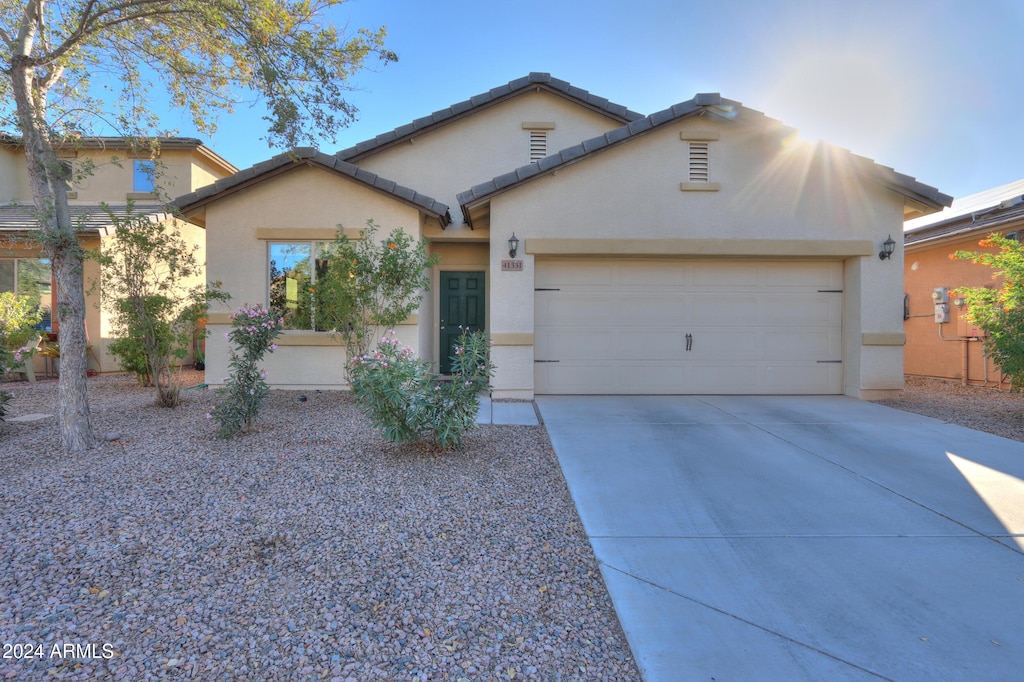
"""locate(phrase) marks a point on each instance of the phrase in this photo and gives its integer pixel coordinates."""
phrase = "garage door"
(700, 327)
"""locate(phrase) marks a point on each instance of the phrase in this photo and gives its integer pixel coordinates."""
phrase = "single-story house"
(700, 249)
(108, 173)
(940, 342)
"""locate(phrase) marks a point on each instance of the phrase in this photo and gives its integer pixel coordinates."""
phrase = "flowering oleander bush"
(407, 402)
(253, 332)
(999, 310)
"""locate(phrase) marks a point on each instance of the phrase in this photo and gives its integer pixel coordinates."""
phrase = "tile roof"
(713, 103)
(92, 218)
(311, 156)
(533, 80)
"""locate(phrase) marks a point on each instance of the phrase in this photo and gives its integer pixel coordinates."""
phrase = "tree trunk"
(57, 234)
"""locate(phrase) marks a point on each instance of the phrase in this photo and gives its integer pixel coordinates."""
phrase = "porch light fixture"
(513, 245)
(888, 246)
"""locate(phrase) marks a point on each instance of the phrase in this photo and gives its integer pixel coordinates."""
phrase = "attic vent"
(538, 145)
(700, 167)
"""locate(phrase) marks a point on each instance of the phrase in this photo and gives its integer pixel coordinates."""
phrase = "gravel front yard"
(309, 550)
(984, 409)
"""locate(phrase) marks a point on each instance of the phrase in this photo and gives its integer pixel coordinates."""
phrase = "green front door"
(462, 304)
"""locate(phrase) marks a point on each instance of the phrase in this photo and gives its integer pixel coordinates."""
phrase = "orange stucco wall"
(926, 353)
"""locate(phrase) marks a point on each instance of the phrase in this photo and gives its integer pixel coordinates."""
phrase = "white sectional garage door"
(697, 327)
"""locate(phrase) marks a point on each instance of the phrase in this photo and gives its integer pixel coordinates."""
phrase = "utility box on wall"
(940, 295)
(941, 313)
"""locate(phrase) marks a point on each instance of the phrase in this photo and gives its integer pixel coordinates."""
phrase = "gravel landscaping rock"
(309, 549)
(986, 409)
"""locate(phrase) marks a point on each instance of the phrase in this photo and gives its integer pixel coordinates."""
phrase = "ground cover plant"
(310, 549)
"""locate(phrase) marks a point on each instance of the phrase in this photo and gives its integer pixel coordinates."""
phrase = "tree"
(148, 275)
(58, 57)
(999, 310)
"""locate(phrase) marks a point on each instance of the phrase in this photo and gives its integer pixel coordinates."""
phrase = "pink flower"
(273, 346)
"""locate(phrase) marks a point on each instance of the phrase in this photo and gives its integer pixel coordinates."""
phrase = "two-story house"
(105, 171)
(700, 249)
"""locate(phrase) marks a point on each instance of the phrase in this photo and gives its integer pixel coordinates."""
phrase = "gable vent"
(700, 166)
(538, 145)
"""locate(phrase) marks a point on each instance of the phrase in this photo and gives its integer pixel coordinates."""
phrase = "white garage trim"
(657, 326)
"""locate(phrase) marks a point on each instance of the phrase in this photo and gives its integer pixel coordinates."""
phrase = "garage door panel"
(621, 326)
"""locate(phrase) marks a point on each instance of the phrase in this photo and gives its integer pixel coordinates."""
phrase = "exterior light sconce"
(888, 246)
(513, 245)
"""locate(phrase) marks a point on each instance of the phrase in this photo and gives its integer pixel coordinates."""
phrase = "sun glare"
(851, 100)
(1002, 493)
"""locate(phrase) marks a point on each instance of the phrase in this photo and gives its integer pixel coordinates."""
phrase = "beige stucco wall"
(451, 159)
(179, 171)
(101, 330)
(768, 190)
(303, 203)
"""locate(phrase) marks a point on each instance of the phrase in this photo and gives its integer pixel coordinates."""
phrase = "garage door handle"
(547, 360)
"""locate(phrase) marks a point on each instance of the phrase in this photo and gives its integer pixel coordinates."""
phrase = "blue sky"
(929, 87)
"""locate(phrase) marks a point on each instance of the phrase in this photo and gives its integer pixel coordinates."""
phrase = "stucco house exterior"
(700, 249)
(944, 345)
(107, 171)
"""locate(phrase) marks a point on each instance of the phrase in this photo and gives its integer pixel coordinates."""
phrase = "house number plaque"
(511, 266)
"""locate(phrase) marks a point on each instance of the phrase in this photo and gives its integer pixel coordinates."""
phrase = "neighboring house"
(953, 349)
(107, 172)
(695, 250)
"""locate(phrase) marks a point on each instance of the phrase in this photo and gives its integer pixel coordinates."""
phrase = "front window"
(143, 173)
(293, 282)
(29, 277)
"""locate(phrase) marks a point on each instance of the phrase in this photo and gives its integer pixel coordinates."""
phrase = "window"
(293, 282)
(143, 174)
(29, 277)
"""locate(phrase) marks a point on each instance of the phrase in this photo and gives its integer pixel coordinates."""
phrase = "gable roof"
(710, 103)
(73, 143)
(542, 81)
(310, 157)
(981, 212)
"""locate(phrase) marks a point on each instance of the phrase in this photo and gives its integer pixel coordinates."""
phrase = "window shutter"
(700, 166)
(538, 145)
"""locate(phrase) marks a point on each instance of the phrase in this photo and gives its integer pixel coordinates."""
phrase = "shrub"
(1000, 310)
(370, 286)
(5, 397)
(408, 403)
(145, 270)
(253, 333)
(19, 316)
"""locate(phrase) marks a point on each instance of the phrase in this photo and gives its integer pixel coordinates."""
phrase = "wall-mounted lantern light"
(888, 246)
(513, 245)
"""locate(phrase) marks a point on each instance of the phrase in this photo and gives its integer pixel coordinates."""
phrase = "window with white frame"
(30, 277)
(294, 270)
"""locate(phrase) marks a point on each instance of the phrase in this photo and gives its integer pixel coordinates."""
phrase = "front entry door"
(462, 303)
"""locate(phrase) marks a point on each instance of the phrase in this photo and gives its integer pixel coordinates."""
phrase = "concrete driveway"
(799, 538)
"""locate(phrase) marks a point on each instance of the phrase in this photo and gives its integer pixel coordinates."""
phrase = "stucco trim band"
(318, 233)
(512, 339)
(883, 339)
(750, 248)
(225, 318)
(699, 186)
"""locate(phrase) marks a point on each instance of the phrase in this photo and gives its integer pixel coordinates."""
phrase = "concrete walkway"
(520, 413)
(799, 538)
